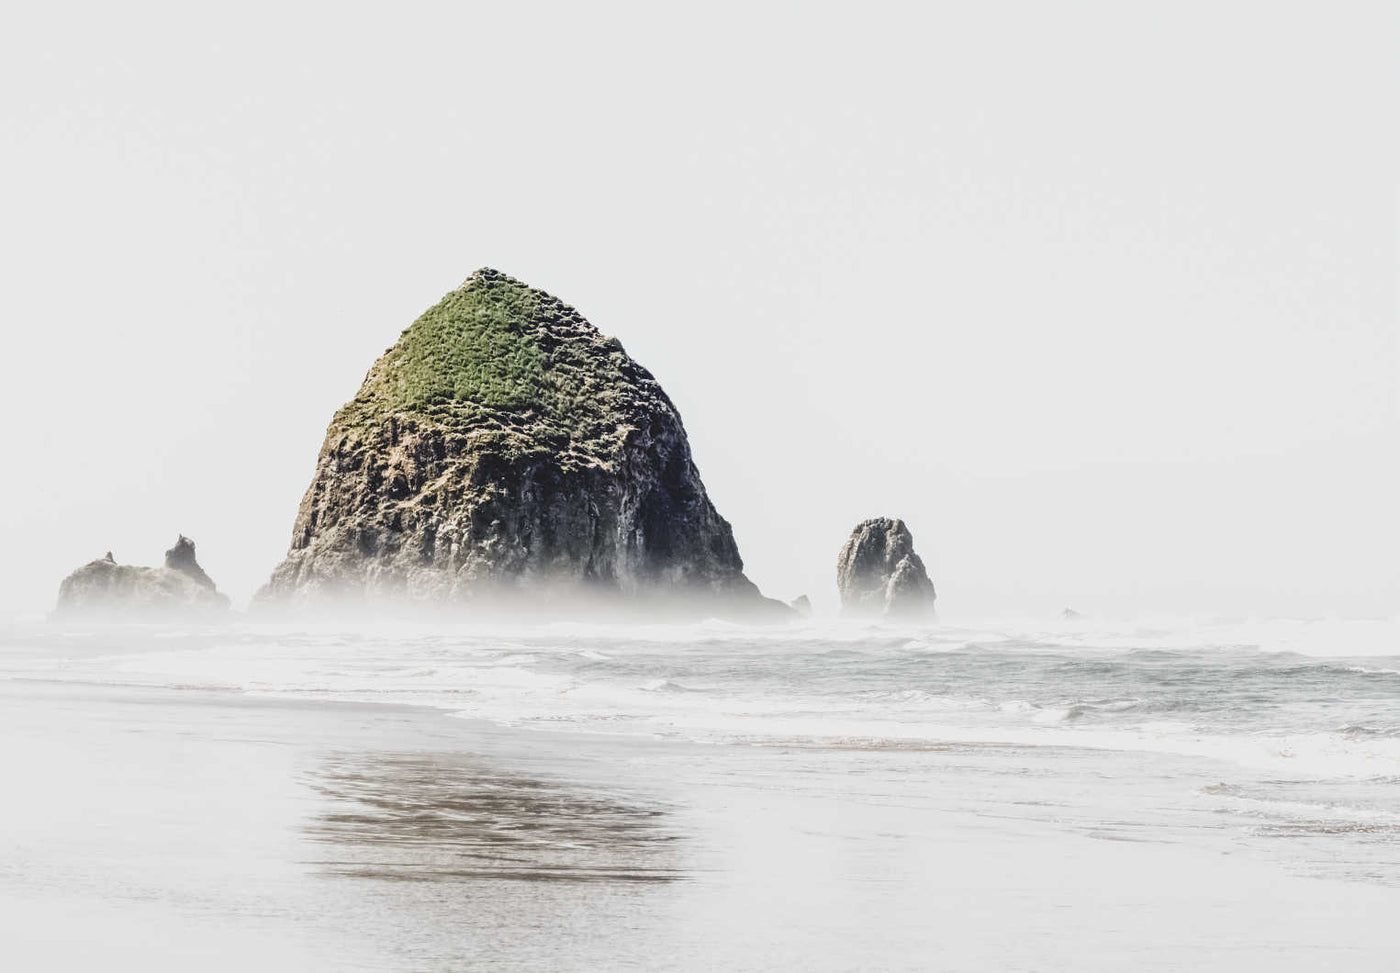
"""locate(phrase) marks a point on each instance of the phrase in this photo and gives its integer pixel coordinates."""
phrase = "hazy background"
(1100, 297)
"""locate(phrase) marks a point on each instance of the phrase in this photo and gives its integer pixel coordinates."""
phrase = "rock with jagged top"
(505, 456)
(878, 572)
(181, 558)
(105, 589)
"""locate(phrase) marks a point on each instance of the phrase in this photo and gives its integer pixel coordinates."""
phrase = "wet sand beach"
(163, 828)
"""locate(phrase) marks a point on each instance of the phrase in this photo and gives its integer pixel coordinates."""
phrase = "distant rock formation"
(1070, 615)
(104, 588)
(506, 456)
(802, 605)
(878, 572)
(181, 558)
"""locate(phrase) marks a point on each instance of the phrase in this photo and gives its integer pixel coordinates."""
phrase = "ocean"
(1221, 763)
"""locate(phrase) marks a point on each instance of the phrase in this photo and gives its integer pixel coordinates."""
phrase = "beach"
(159, 826)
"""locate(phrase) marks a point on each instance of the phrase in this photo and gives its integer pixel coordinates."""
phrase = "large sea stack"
(878, 572)
(105, 589)
(505, 456)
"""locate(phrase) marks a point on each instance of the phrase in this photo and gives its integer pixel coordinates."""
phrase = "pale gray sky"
(1100, 297)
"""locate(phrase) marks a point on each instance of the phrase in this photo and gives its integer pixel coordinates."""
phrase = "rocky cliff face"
(504, 453)
(878, 572)
(104, 588)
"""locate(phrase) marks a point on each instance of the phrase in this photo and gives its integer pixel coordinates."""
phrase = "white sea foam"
(1069, 684)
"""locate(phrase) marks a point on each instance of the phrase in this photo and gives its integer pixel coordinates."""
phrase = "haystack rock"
(878, 572)
(505, 456)
(104, 588)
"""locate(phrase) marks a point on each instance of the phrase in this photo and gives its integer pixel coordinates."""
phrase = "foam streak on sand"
(872, 779)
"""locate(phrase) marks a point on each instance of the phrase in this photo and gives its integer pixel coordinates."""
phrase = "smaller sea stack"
(105, 589)
(879, 574)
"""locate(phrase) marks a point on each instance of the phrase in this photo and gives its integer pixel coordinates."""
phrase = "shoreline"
(302, 833)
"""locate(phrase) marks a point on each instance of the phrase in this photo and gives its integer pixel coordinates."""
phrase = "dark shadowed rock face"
(505, 454)
(878, 572)
(106, 589)
(181, 558)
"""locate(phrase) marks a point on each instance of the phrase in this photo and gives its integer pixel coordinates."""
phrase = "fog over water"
(1100, 299)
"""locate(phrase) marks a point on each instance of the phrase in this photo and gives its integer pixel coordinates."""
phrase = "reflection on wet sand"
(454, 817)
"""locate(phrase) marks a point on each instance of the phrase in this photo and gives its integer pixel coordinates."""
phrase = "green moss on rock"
(496, 354)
